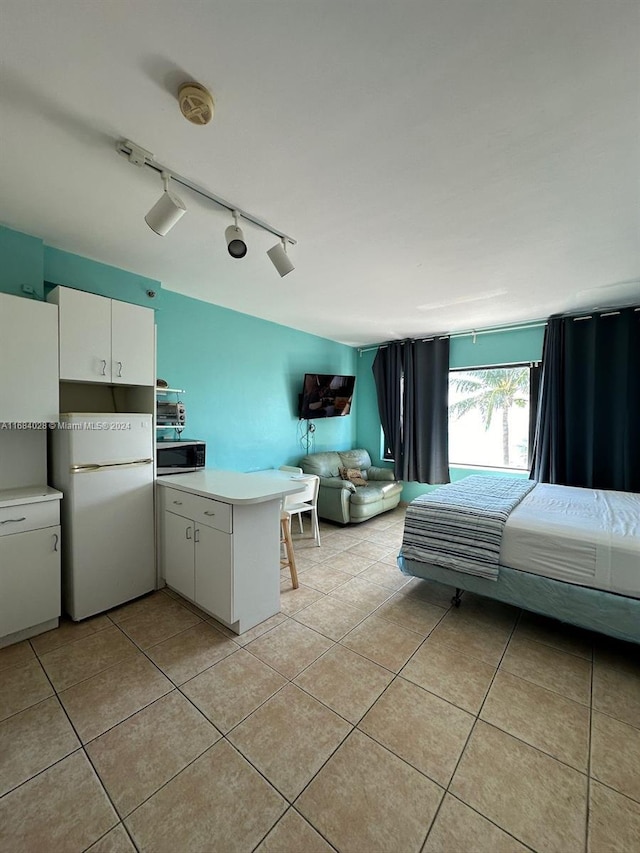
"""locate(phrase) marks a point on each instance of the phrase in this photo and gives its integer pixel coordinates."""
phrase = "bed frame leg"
(457, 598)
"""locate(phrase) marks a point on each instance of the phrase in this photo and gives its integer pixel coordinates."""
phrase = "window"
(489, 417)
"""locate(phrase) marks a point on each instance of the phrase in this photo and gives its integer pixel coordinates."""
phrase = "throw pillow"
(354, 475)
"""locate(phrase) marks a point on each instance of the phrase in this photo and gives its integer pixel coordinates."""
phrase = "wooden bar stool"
(289, 558)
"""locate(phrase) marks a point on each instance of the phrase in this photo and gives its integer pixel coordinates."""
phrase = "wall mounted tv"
(326, 396)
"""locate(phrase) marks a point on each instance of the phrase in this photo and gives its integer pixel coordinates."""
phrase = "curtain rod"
(535, 324)
(612, 313)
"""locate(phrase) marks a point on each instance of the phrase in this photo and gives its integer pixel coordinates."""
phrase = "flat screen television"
(326, 396)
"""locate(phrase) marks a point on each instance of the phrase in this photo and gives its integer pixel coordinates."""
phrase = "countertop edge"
(227, 495)
(16, 497)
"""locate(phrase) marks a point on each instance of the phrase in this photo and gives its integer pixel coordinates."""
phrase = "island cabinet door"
(214, 572)
(179, 554)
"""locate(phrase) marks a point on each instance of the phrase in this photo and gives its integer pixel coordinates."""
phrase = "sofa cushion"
(323, 464)
(354, 475)
(375, 492)
(358, 458)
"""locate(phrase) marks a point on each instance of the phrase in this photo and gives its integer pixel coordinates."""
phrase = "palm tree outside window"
(490, 417)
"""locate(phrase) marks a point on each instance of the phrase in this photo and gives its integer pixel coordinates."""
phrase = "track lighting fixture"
(169, 208)
(166, 211)
(236, 246)
(280, 259)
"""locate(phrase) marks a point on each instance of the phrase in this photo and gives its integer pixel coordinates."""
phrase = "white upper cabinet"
(132, 344)
(103, 340)
(28, 360)
(85, 335)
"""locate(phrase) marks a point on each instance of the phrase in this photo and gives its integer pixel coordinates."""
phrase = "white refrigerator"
(103, 465)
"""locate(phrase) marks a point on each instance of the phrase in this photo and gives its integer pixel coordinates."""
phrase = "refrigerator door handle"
(187, 533)
(80, 469)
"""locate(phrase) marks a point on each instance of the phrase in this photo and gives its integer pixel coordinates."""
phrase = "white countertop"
(28, 495)
(235, 487)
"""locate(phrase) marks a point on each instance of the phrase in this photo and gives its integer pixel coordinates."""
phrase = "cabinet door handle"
(188, 533)
(14, 520)
(104, 367)
(119, 363)
(55, 541)
(206, 512)
(178, 503)
(196, 537)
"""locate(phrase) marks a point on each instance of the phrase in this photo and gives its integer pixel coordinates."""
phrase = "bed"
(565, 552)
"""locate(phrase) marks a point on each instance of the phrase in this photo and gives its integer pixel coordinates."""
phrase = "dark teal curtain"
(588, 429)
(425, 434)
(387, 373)
(412, 384)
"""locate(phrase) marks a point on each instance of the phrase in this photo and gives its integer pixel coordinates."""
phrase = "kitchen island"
(220, 542)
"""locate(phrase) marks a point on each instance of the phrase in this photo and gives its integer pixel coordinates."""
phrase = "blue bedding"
(459, 526)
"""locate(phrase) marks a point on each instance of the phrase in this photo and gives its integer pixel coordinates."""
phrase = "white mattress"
(583, 536)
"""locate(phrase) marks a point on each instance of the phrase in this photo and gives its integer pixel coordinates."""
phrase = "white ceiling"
(443, 164)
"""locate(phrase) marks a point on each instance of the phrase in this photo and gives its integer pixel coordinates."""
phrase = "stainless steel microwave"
(180, 457)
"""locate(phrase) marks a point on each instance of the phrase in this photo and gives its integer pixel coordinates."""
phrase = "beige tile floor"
(367, 716)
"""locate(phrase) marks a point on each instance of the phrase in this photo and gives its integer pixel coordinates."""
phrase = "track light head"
(166, 211)
(236, 246)
(279, 258)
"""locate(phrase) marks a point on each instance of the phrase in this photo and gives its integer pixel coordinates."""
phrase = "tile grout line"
(290, 681)
(91, 764)
(590, 739)
(556, 648)
(292, 802)
(471, 731)
(355, 728)
(174, 687)
(81, 748)
(223, 736)
(289, 808)
(544, 686)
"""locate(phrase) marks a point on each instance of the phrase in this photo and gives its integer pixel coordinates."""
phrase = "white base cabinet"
(214, 573)
(179, 554)
(29, 569)
(222, 557)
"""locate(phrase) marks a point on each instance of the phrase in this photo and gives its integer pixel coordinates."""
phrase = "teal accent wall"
(491, 348)
(242, 376)
(21, 264)
(81, 273)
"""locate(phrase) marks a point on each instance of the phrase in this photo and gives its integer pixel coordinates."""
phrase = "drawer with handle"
(22, 517)
(207, 511)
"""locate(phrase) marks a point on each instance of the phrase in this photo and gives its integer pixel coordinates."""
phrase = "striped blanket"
(459, 526)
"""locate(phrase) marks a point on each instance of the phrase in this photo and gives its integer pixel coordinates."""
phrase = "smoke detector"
(196, 103)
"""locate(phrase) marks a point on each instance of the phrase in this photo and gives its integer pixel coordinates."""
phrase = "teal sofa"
(340, 500)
